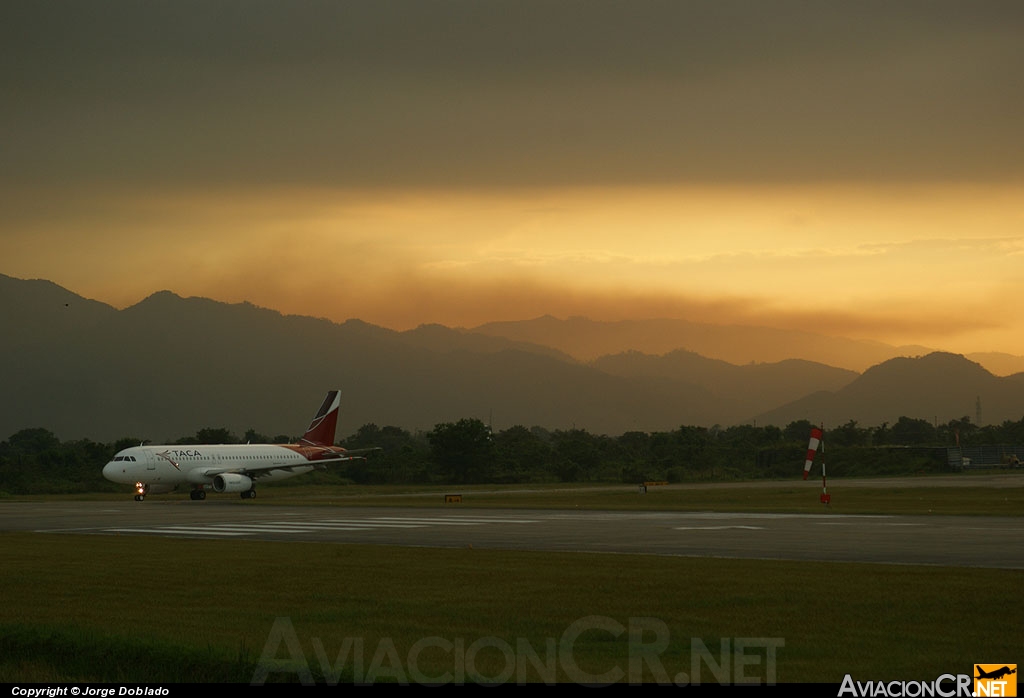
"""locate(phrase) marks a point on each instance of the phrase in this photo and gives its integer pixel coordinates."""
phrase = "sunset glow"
(871, 189)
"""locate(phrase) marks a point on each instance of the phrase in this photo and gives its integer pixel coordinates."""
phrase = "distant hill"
(999, 363)
(441, 338)
(589, 339)
(747, 388)
(169, 366)
(36, 311)
(939, 387)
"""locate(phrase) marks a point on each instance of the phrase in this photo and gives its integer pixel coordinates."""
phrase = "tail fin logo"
(321, 429)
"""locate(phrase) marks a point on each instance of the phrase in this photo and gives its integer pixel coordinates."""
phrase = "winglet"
(321, 429)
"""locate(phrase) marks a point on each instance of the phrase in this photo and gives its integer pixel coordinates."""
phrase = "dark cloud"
(510, 93)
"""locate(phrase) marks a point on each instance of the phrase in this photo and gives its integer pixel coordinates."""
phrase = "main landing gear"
(197, 493)
(249, 494)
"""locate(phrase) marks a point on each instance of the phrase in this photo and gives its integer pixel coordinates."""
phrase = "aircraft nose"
(110, 470)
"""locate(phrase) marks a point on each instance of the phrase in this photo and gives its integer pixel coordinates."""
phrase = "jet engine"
(230, 482)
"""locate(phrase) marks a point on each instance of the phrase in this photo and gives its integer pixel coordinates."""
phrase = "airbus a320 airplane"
(231, 468)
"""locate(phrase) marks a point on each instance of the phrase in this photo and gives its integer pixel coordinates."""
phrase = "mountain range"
(169, 366)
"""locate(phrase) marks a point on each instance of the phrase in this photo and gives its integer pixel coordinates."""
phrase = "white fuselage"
(169, 466)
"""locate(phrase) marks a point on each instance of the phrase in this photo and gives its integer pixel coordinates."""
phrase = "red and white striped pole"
(812, 447)
(826, 498)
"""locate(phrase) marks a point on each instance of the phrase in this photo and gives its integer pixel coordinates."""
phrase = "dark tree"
(912, 432)
(798, 431)
(463, 451)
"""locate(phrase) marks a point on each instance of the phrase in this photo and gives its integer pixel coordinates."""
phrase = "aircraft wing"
(347, 454)
(259, 469)
(251, 471)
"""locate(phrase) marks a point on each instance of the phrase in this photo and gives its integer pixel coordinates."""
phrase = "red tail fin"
(321, 429)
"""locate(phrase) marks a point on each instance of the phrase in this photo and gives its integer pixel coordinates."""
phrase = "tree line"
(468, 451)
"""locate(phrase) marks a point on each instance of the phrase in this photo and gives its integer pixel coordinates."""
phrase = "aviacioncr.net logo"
(995, 680)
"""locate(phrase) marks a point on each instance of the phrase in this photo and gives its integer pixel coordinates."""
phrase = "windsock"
(812, 448)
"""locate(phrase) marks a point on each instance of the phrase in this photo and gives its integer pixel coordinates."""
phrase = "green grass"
(122, 608)
(966, 499)
(127, 609)
(968, 493)
(849, 496)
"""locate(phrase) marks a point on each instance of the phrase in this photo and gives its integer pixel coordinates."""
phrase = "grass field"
(213, 605)
(966, 500)
(134, 609)
(959, 495)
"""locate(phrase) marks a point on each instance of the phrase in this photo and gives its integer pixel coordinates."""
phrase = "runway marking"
(713, 515)
(158, 531)
(339, 524)
(717, 528)
(334, 524)
(866, 523)
(452, 520)
(263, 528)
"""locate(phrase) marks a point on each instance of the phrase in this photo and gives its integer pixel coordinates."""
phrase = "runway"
(987, 542)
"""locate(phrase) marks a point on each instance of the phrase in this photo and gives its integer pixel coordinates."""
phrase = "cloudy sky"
(852, 168)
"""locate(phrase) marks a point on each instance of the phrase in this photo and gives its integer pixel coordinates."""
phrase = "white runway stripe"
(453, 521)
(164, 531)
(263, 528)
(718, 528)
(334, 524)
(331, 525)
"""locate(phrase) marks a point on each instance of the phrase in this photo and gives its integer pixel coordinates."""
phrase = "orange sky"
(853, 170)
